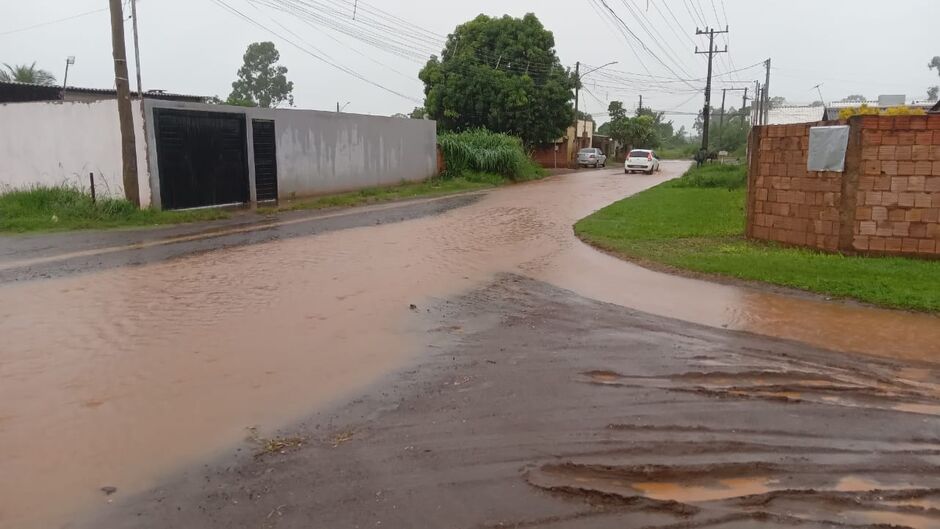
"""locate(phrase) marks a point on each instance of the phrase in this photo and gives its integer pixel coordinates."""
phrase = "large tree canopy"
(261, 81)
(501, 74)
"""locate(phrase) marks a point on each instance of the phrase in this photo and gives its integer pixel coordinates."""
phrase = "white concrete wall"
(324, 152)
(59, 143)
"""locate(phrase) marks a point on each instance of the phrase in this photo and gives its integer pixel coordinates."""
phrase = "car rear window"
(587, 151)
(639, 154)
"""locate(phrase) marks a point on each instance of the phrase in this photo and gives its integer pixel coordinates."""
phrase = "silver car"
(593, 157)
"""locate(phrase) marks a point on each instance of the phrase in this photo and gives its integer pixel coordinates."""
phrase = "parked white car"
(641, 160)
(593, 157)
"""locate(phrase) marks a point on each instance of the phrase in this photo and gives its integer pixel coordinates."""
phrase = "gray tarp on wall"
(827, 146)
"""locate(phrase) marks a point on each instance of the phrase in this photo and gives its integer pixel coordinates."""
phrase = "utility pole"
(743, 106)
(577, 95)
(767, 92)
(706, 112)
(721, 122)
(125, 114)
(641, 103)
(140, 90)
(755, 111)
(721, 118)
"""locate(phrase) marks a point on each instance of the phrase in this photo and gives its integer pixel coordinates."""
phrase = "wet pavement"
(117, 375)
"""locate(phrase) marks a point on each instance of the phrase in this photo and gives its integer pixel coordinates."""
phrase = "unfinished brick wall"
(787, 203)
(898, 201)
(887, 201)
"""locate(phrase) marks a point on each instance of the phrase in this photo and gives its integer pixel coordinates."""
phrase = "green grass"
(373, 195)
(713, 175)
(63, 208)
(701, 229)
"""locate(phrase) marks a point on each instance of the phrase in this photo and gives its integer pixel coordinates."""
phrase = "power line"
(42, 24)
(640, 41)
(650, 29)
(326, 60)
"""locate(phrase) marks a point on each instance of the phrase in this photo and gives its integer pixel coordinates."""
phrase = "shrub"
(866, 110)
(480, 150)
(712, 176)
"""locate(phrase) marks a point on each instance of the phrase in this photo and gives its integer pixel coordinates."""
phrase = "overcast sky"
(870, 47)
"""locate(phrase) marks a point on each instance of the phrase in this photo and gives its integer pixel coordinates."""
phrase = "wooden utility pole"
(706, 112)
(125, 114)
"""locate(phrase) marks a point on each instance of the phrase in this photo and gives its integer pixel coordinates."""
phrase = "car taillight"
(591, 156)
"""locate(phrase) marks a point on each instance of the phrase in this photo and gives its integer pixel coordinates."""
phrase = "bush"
(712, 176)
(482, 151)
(866, 110)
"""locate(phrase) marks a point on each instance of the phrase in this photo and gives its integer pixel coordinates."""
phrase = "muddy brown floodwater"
(122, 377)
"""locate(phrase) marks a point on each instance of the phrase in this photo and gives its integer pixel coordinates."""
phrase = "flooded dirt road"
(534, 407)
(124, 376)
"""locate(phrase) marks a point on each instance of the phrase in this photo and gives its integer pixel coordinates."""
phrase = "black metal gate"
(265, 159)
(202, 158)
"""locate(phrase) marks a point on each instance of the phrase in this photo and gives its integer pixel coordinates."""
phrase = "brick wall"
(898, 201)
(787, 203)
(887, 201)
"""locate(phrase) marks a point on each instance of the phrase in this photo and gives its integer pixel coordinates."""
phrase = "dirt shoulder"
(533, 407)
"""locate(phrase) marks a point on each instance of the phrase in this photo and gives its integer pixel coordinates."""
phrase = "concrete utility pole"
(743, 106)
(577, 93)
(721, 118)
(766, 93)
(641, 103)
(125, 114)
(755, 112)
(706, 112)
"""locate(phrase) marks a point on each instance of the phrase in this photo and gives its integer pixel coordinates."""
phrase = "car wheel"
(650, 171)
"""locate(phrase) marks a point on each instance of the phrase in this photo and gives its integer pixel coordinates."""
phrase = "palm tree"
(20, 73)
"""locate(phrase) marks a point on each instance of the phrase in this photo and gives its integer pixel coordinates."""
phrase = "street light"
(577, 95)
(585, 74)
(70, 60)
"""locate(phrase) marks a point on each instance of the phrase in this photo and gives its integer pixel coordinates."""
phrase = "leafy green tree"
(501, 74)
(642, 130)
(261, 81)
(21, 73)
(418, 113)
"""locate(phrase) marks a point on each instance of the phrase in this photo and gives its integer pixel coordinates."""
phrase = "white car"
(639, 160)
(593, 157)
